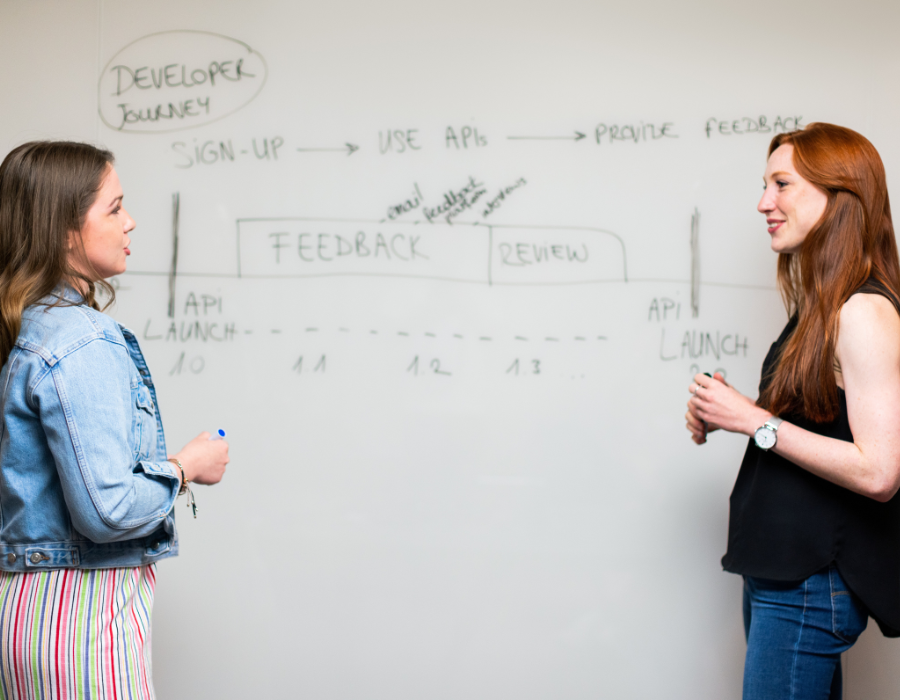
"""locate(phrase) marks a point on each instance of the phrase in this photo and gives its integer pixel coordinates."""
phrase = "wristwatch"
(767, 435)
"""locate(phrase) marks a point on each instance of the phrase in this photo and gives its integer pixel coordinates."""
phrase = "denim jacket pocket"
(143, 421)
(849, 616)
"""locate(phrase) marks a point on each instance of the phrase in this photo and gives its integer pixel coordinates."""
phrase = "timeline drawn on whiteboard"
(221, 331)
(175, 80)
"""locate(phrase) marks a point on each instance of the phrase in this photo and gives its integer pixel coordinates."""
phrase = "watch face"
(765, 438)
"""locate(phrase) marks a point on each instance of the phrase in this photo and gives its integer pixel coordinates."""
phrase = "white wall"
(383, 532)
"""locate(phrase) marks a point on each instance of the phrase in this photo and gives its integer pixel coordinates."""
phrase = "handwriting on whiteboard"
(493, 255)
(176, 80)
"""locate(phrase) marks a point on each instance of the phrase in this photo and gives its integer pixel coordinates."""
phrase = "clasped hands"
(715, 405)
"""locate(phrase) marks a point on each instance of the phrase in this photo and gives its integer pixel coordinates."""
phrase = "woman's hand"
(204, 460)
(700, 428)
(715, 404)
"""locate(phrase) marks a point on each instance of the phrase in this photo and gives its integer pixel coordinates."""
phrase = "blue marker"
(218, 435)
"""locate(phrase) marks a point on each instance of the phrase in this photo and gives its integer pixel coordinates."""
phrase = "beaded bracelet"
(185, 487)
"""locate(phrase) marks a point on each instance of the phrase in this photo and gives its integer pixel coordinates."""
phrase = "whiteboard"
(444, 273)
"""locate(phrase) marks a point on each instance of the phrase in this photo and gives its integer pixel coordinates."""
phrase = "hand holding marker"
(192, 504)
(218, 435)
(201, 463)
(720, 378)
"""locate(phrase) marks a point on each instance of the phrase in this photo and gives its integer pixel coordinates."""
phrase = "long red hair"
(850, 245)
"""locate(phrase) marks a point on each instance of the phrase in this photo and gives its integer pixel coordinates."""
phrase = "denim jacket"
(84, 480)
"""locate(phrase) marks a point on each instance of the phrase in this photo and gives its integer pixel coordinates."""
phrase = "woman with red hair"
(815, 522)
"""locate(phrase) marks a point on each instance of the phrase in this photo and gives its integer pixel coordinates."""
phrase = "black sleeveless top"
(786, 523)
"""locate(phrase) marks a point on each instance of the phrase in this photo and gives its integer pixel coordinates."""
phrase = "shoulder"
(56, 331)
(869, 311)
(869, 330)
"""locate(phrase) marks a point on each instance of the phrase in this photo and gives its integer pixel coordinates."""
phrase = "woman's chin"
(781, 249)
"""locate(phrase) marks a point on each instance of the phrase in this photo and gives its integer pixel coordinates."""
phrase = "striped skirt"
(69, 634)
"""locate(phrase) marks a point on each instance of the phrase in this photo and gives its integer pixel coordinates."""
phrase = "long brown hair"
(46, 189)
(853, 243)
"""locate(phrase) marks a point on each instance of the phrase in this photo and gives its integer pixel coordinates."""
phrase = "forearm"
(838, 461)
(868, 466)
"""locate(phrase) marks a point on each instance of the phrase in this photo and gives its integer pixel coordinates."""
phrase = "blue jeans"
(796, 633)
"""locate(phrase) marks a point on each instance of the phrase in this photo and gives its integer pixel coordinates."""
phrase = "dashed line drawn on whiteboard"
(226, 332)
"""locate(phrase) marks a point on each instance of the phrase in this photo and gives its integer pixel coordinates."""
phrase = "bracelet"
(184, 482)
(185, 486)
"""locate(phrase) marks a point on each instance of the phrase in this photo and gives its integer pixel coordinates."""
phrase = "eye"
(781, 184)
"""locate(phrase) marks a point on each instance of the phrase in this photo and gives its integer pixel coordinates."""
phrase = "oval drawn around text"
(176, 80)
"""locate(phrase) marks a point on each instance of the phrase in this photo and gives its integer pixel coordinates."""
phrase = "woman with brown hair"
(87, 490)
(815, 525)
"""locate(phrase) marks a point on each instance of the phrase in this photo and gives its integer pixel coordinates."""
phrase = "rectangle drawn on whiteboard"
(536, 256)
(499, 255)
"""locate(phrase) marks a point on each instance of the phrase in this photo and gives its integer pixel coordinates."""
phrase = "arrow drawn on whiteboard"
(577, 137)
(349, 147)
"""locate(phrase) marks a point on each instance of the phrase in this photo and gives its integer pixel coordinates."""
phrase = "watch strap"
(773, 423)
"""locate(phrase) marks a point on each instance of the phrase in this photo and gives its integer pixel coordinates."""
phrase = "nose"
(766, 202)
(129, 222)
